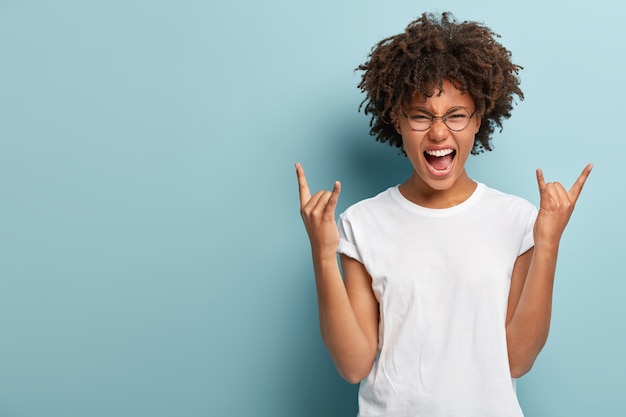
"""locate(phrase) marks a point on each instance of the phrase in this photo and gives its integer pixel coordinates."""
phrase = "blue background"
(152, 259)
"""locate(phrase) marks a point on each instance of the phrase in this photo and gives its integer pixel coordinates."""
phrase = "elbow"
(354, 373)
(520, 364)
(520, 369)
(353, 377)
(523, 353)
(355, 365)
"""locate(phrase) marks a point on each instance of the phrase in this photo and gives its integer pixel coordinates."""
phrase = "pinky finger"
(329, 210)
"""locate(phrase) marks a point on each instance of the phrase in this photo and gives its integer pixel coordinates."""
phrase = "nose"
(438, 130)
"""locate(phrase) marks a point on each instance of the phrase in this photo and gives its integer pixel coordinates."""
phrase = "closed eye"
(420, 117)
(457, 113)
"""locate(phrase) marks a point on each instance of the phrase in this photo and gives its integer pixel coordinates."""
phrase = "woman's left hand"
(556, 206)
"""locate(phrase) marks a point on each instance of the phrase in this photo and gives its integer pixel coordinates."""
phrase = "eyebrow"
(424, 109)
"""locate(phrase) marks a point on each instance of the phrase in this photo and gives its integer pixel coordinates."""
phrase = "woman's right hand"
(318, 215)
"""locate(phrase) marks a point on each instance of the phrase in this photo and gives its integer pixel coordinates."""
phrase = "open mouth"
(440, 161)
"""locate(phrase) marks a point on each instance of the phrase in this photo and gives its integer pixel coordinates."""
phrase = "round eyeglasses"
(456, 119)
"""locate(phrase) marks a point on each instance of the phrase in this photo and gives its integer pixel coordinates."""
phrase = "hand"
(556, 206)
(318, 214)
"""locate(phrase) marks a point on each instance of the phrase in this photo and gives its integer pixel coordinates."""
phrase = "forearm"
(348, 312)
(348, 344)
(527, 330)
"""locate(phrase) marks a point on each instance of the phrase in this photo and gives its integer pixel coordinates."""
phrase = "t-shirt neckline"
(438, 212)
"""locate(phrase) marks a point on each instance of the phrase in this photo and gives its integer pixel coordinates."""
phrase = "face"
(438, 154)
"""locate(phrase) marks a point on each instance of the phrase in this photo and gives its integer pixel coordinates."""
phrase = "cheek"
(467, 146)
(412, 148)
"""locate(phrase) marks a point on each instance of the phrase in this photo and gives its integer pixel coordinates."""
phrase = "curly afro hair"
(430, 50)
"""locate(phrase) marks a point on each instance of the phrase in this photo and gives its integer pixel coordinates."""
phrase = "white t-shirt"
(441, 278)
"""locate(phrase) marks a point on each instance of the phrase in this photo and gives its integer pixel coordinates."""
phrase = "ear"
(478, 123)
(396, 124)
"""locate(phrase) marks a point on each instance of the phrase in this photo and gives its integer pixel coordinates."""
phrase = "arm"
(348, 311)
(532, 282)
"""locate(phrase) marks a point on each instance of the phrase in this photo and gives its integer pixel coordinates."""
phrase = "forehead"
(443, 98)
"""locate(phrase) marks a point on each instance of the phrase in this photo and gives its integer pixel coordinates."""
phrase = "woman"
(446, 292)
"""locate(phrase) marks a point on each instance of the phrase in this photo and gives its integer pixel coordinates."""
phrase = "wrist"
(324, 255)
(547, 246)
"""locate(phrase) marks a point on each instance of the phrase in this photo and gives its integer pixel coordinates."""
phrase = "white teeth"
(440, 152)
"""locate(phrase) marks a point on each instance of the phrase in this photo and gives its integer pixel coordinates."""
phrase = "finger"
(312, 208)
(329, 210)
(574, 192)
(313, 205)
(541, 181)
(558, 193)
(303, 187)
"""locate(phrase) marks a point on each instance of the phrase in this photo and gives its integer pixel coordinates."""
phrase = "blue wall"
(152, 259)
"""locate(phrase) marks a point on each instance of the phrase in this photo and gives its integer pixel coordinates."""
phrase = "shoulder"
(501, 203)
(369, 206)
(496, 196)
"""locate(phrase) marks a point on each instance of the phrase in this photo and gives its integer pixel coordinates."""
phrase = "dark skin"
(430, 50)
(436, 64)
(348, 310)
(347, 306)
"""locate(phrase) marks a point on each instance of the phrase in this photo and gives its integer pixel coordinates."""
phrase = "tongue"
(439, 163)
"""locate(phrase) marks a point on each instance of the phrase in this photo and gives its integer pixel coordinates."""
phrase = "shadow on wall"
(365, 168)
(311, 386)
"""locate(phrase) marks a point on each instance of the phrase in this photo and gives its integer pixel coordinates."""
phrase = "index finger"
(574, 192)
(303, 187)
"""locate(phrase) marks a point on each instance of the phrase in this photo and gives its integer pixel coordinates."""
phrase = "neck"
(419, 192)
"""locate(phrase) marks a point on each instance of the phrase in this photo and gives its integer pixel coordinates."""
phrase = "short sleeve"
(528, 240)
(347, 243)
